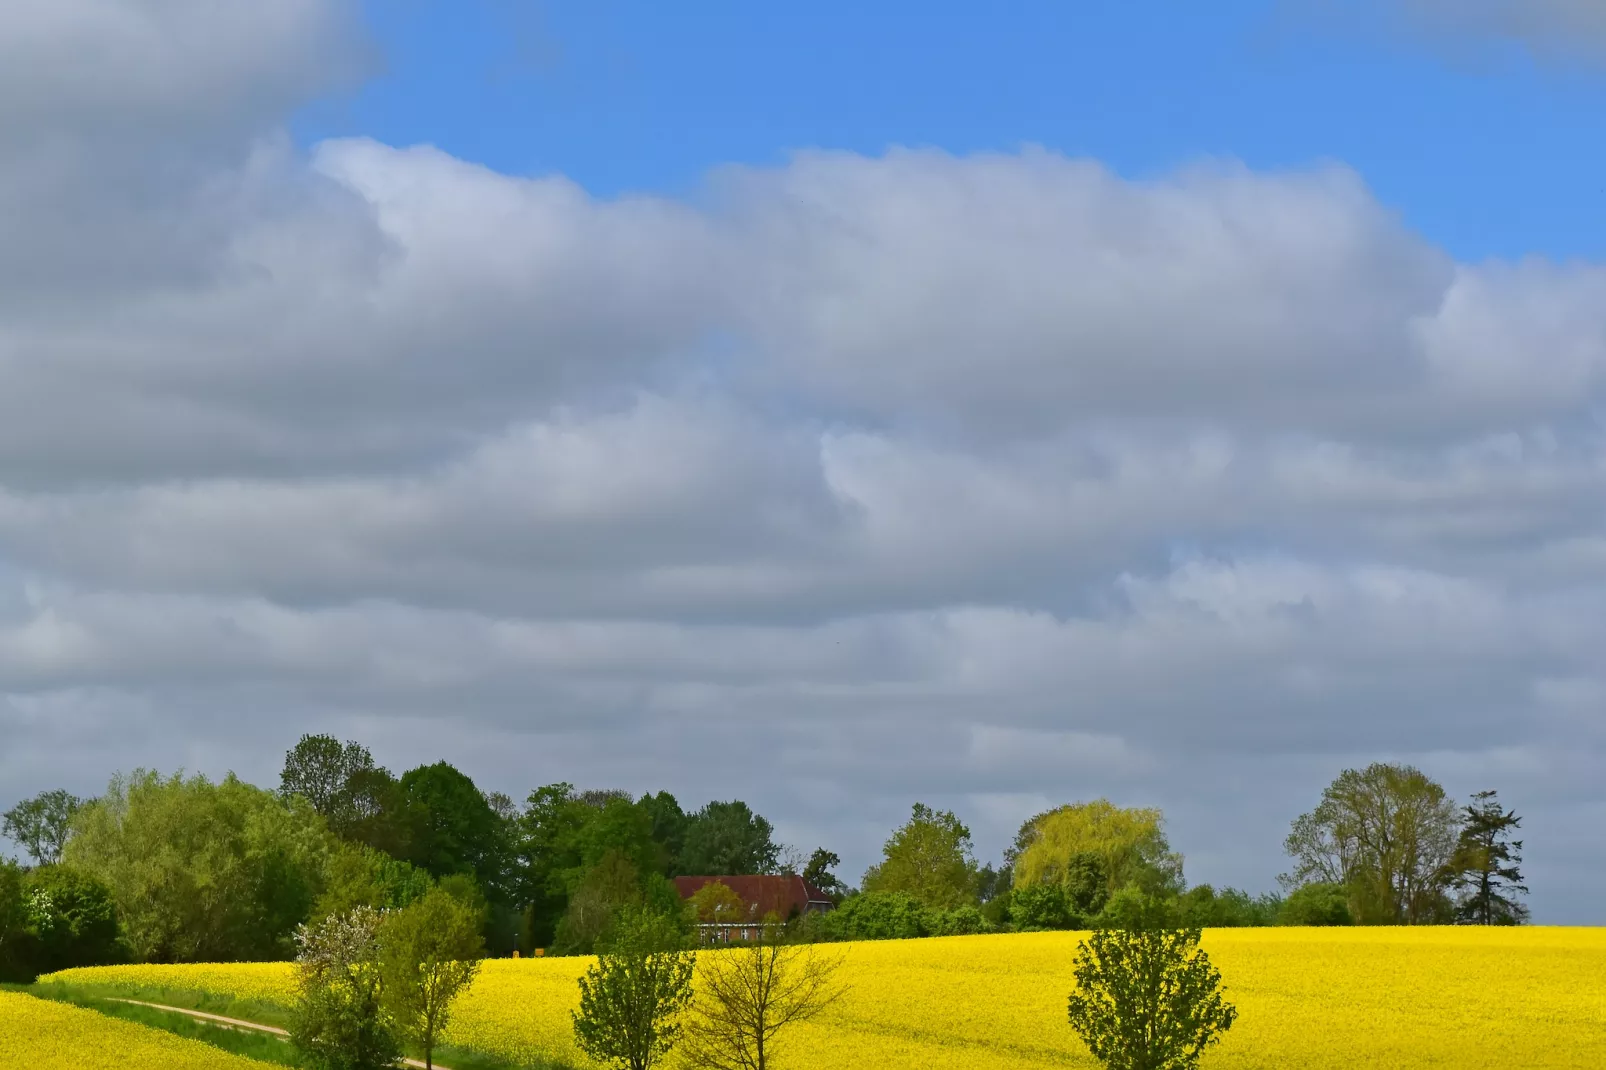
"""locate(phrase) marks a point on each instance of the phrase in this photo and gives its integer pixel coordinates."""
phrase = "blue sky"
(1481, 151)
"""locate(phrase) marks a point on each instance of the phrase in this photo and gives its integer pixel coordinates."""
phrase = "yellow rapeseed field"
(36, 1034)
(1454, 998)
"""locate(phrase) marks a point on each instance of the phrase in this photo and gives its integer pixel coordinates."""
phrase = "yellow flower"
(1319, 999)
(41, 1035)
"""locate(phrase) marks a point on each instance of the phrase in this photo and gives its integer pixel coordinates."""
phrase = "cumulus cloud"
(993, 481)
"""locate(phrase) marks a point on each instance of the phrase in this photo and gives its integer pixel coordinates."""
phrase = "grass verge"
(254, 1045)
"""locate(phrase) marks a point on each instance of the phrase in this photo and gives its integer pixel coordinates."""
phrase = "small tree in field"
(339, 1021)
(430, 952)
(1147, 998)
(631, 1001)
(749, 994)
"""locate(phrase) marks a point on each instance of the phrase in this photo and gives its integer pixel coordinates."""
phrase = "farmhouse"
(783, 896)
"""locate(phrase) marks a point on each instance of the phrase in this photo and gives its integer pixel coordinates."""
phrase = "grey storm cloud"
(994, 481)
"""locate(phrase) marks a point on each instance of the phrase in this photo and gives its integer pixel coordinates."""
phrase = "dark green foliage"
(1205, 908)
(668, 822)
(340, 1021)
(1488, 863)
(41, 825)
(16, 953)
(72, 918)
(1147, 998)
(819, 873)
(1043, 906)
(605, 889)
(890, 916)
(451, 826)
(728, 839)
(1319, 903)
(632, 999)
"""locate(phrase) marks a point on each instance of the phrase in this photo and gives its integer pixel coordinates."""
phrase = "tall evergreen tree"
(1488, 864)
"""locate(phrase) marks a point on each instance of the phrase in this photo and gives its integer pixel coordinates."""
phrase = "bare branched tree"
(748, 995)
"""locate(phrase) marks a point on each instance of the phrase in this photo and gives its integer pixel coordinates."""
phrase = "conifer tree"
(1488, 864)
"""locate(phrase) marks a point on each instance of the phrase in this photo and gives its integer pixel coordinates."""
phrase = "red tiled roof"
(763, 894)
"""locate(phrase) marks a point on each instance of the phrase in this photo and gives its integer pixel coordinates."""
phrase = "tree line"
(184, 869)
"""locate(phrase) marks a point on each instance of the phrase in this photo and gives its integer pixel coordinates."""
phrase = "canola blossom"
(37, 1034)
(1320, 999)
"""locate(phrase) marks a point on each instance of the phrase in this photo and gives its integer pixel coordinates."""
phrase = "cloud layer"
(992, 481)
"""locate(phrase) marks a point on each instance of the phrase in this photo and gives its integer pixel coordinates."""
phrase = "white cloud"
(989, 481)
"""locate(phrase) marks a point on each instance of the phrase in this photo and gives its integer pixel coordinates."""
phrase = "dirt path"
(237, 1023)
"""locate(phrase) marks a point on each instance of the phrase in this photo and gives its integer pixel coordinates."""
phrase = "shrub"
(339, 1021)
(1316, 904)
(72, 918)
(632, 999)
(879, 916)
(1147, 998)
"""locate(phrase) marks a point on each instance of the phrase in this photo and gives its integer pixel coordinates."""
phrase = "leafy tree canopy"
(202, 872)
(928, 858)
(1128, 845)
(727, 839)
(41, 825)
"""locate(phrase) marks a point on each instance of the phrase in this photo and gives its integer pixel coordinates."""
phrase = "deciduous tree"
(1128, 846)
(1147, 998)
(340, 1021)
(632, 999)
(748, 995)
(1387, 834)
(930, 858)
(430, 952)
(41, 825)
(727, 839)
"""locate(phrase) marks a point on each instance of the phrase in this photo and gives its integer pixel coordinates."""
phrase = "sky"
(833, 406)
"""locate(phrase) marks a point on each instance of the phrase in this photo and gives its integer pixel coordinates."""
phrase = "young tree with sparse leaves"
(1147, 998)
(430, 952)
(632, 999)
(748, 995)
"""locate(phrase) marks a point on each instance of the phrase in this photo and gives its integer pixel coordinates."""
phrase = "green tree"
(632, 999)
(668, 822)
(429, 954)
(716, 904)
(1147, 998)
(202, 872)
(818, 873)
(41, 825)
(1487, 864)
(603, 890)
(727, 839)
(359, 799)
(452, 828)
(748, 995)
(340, 1021)
(1388, 835)
(359, 876)
(548, 858)
(15, 962)
(930, 858)
(1127, 845)
(1317, 903)
(73, 919)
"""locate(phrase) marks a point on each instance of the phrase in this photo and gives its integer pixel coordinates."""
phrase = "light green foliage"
(1128, 845)
(1147, 998)
(361, 876)
(716, 903)
(632, 999)
(202, 872)
(340, 1021)
(41, 825)
(429, 954)
(928, 858)
(1388, 834)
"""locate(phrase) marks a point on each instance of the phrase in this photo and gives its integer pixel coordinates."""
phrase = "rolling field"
(1458, 998)
(37, 1034)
